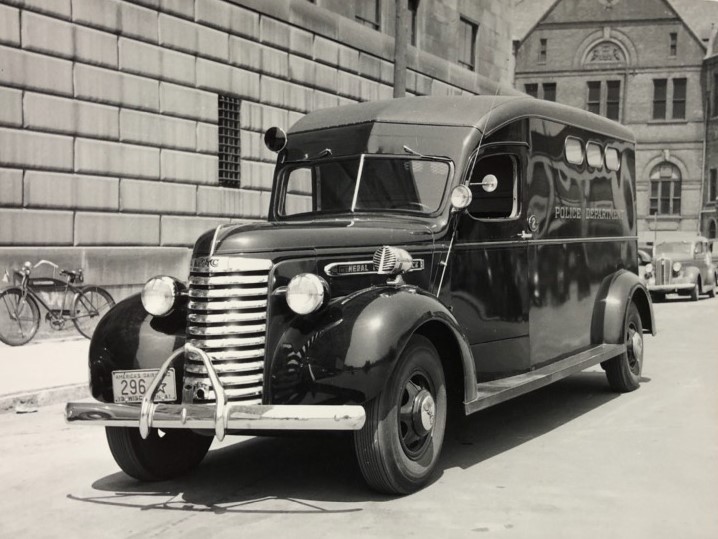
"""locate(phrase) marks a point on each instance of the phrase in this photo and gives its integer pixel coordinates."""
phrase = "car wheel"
(399, 446)
(695, 291)
(624, 371)
(712, 292)
(162, 455)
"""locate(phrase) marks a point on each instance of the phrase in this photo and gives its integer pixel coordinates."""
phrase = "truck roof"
(485, 113)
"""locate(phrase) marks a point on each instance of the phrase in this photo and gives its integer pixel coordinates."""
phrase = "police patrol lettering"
(570, 212)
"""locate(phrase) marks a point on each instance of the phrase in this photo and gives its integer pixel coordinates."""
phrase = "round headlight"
(306, 293)
(677, 267)
(649, 268)
(160, 294)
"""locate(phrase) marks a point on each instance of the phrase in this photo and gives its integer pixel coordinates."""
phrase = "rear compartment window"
(502, 202)
(613, 161)
(574, 151)
(594, 155)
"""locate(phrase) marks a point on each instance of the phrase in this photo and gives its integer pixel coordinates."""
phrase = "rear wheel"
(399, 446)
(162, 455)
(19, 317)
(624, 371)
(88, 307)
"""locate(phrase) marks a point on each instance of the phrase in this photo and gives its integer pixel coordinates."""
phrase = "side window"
(613, 161)
(699, 248)
(573, 149)
(594, 155)
(494, 186)
(299, 192)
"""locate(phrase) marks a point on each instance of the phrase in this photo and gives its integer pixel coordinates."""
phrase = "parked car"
(685, 267)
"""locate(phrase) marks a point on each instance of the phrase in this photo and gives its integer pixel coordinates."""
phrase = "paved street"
(572, 460)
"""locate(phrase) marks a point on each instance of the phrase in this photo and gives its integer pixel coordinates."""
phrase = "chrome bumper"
(221, 417)
(669, 287)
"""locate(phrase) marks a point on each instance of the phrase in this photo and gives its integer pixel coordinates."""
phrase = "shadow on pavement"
(306, 473)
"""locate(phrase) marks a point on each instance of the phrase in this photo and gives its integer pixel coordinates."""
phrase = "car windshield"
(366, 183)
(678, 247)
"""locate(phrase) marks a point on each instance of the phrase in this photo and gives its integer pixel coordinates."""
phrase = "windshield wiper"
(413, 152)
(326, 152)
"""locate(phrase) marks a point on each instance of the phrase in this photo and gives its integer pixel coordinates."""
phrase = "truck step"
(497, 391)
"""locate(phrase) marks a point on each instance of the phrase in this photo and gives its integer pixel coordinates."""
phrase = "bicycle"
(20, 314)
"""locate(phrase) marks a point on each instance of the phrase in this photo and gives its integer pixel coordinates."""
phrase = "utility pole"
(401, 38)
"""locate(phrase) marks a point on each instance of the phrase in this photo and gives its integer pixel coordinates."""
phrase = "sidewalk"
(43, 372)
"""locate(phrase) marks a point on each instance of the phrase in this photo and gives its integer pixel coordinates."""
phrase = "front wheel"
(695, 291)
(19, 317)
(399, 446)
(88, 307)
(624, 371)
(162, 455)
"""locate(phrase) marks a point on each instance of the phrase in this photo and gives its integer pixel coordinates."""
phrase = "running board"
(497, 391)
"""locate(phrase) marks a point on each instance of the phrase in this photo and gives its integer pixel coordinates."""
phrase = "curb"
(30, 401)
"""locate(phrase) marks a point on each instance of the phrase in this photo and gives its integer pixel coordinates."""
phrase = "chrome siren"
(392, 261)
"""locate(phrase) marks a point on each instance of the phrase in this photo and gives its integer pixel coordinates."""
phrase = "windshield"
(680, 247)
(363, 183)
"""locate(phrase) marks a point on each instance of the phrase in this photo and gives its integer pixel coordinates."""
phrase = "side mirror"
(461, 197)
(275, 139)
(489, 183)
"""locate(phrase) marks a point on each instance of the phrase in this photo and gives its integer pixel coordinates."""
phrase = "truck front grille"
(663, 271)
(227, 318)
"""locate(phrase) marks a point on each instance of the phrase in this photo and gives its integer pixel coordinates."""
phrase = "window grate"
(229, 140)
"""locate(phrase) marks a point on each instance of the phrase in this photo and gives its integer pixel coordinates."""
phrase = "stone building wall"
(638, 33)
(109, 112)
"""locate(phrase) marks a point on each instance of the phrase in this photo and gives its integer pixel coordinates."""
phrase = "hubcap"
(635, 350)
(424, 412)
(417, 413)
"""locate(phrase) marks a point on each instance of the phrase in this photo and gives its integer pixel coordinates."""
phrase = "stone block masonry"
(109, 132)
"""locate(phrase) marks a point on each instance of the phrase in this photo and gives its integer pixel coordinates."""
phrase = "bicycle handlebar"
(43, 261)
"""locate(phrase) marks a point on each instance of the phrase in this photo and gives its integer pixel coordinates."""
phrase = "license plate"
(131, 386)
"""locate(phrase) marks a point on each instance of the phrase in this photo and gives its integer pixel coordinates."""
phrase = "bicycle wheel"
(19, 317)
(88, 307)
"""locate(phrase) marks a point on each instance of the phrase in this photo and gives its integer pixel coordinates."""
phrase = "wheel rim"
(635, 349)
(417, 413)
(17, 318)
(89, 309)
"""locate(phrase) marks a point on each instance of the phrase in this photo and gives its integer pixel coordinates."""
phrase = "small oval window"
(574, 151)
(594, 155)
(613, 161)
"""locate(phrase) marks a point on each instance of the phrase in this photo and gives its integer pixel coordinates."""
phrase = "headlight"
(306, 293)
(677, 267)
(160, 294)
(649, 268)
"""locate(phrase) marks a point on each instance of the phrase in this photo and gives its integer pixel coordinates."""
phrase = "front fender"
(346, 352)
(615, 294)
(127, 338)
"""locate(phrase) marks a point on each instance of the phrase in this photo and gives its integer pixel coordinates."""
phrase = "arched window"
(712, 233)
(665, 189)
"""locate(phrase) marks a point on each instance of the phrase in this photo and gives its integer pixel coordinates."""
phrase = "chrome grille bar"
(227, 321)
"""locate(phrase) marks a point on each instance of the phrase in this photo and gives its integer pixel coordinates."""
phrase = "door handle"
(525, 235)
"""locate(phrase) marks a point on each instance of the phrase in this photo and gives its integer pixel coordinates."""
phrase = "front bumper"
(220, 417)
(670, 287)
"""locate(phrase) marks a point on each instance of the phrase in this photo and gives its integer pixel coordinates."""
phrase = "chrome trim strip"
(225, 317)
(234, 392)
(227, 292)
(230, 380)
(330, 269)
(220, 368)
(227, 305)
(226, 264)
(239, 416)
(228, 342)
(220, 280)
(213, 246)
(231, 355)
(226, 330)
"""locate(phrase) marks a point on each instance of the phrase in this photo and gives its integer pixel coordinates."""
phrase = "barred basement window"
(229, 148)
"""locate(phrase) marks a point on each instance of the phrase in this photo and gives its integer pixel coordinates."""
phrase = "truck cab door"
(489, 264)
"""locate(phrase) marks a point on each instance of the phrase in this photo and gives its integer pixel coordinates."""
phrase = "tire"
(88, 308)
(695, 291)
(712, 292)
(624, 371)
(19, 317)
(163, 455)
(399, 446)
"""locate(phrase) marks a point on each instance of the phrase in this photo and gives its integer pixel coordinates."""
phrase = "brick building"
(129, 127)
(640, 63)
(709, 215)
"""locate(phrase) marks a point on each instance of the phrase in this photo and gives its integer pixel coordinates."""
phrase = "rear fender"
(615, 294)
(127, 338)
(346, 352)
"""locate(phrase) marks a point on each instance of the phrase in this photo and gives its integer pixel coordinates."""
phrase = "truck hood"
(312, 235)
